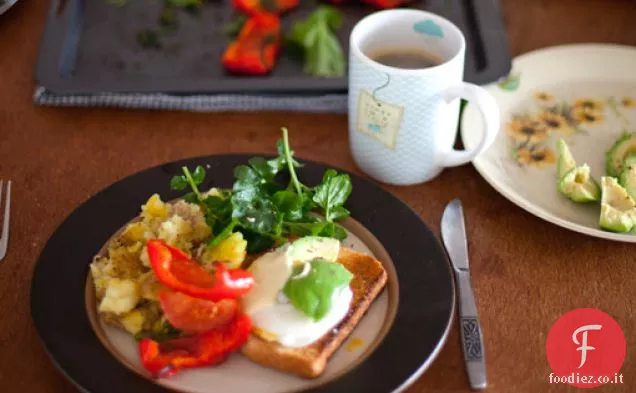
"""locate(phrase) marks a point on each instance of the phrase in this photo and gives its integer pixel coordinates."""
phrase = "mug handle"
(489, 110)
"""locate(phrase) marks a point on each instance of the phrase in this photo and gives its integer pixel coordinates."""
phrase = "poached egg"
(274, 317)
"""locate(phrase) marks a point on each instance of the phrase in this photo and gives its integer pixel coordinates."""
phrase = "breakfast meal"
(617, 193)
(258, 268)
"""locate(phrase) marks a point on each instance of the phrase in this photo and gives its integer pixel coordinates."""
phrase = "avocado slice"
(615, 156)
(579, 186)
(617, 207)
(311, 247)
(566, 161)
(628, 175)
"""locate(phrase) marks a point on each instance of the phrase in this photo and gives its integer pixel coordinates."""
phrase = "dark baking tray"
(103, 55)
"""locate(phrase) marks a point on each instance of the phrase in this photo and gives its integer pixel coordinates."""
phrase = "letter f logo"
(584, 347)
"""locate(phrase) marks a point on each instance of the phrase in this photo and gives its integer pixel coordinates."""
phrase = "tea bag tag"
(379, 119)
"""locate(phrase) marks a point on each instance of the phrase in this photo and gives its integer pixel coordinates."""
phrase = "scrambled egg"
(125, 285)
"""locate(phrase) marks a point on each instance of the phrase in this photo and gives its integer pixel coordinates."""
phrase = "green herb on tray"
(185, 3)
(149, 39)
(323, 54)
(168, 19)
(232, 29)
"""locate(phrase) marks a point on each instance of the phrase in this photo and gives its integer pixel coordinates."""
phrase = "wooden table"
(526, 272)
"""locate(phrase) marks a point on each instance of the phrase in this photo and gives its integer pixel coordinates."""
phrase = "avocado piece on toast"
(311, 247)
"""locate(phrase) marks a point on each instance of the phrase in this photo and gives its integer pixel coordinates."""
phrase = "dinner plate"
(585, 94)
(394, 343)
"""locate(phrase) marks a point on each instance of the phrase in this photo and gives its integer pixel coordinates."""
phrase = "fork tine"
(4, 237)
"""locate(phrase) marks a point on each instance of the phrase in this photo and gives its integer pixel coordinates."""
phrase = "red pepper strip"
(255, 50)
(186, 276)
(384, 4)
(254, 7)
(166, 358)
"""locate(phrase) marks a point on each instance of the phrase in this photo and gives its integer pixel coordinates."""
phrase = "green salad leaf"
(312, 293)
(323, 54)
(178, 183)
(222, 231)
(257, 214)
(198, 175)
(289, 204)
(332, 194)
(218, 213)
(192, 179)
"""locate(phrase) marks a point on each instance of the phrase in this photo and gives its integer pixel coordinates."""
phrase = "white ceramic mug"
(403, 122)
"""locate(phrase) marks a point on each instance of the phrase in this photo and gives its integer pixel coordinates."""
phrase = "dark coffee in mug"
(408, 58)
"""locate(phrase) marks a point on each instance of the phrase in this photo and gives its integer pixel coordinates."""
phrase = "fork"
(4, 235)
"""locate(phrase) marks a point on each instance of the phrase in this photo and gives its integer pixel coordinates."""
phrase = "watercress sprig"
(265, 211)
(180, 183)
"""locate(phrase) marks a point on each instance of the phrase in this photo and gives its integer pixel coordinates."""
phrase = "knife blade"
(454, 238)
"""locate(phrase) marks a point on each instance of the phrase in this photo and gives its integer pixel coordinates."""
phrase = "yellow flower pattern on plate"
(532, 133)
(539, 157)
(555, 122)
(587, 116)
(543, 97)
(628, 102)
(524, 129)
(589, 104)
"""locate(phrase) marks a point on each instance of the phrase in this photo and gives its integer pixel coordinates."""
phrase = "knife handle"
(470, 331)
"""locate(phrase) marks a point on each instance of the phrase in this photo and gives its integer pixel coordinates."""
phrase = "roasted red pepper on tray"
(177, 271)
(384, 4)
(164, 359)
(256, 48)
(254, 7)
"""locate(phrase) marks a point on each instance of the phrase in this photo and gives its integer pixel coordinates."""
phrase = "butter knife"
(454, 238)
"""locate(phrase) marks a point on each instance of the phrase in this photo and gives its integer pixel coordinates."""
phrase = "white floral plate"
(584, 93)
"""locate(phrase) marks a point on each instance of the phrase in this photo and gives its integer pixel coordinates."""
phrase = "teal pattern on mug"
(428, 27)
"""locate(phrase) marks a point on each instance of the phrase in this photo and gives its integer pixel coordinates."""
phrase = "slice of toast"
(369, 278)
